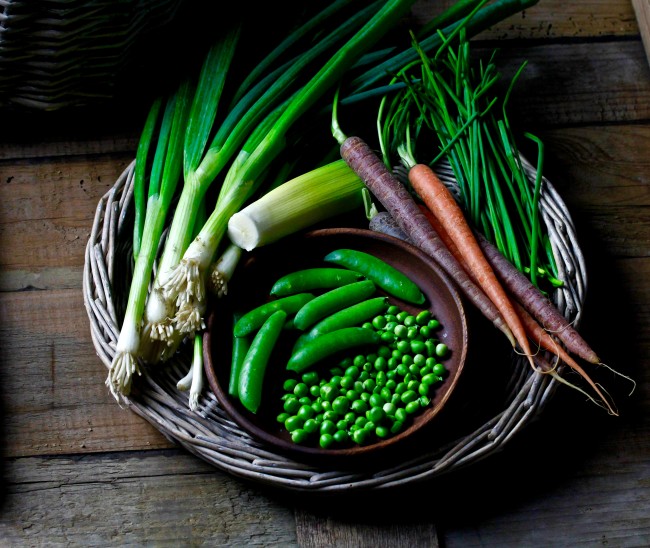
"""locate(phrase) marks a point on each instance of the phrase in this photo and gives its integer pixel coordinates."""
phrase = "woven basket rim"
(213, 436)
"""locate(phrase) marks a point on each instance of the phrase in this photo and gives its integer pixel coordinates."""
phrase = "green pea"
(291, 405)
(330, 415)
(392, 309)
(439, 369)
(442, 350)
(425, 331)
(409, 320)
(305, 412)
(376, 414)
(379, 322)
(417, 347)
(433, 324)
(289, 385)
(310, 378)
(329, 392)
(283, 417)
(423, 389)
(299, 435)
(412, 333)
(396, 427)
(347, 382)
(400, 330)
(314, 390)
(381, 379)
(389, 409)
(382, 432)
(390, 326)
(317, 406)
(407, 359)
(359, 406)
(326, 440)
(430, 379)
(419, 360)
(401, 414)
(351, 394)
(341, 436)
(310, 426)
(301, 389)
(402, 369)
(412, 407)
(369, 426)
(327, 427)
(350, 416)
(423, 317)
(385, 394)
(342, 424)
(340, 405)
(409, 396)
(293, 423)
(375, 400)
(360, 436)
(361, 420)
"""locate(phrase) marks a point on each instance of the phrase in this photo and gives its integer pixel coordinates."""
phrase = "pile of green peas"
(372, 396)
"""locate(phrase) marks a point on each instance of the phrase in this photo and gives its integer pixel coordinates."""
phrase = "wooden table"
(78, 470)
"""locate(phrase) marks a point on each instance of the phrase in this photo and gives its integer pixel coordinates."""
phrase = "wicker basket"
(59, 53)
(213, 436)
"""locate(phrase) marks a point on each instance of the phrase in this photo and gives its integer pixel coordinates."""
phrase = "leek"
(301, 202)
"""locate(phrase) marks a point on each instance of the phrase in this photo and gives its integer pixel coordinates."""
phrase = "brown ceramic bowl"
(250, 287)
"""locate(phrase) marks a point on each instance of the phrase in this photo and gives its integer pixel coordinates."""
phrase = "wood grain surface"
(78, 470)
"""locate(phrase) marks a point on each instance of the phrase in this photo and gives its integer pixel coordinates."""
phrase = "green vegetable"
(386, 276)
(301, 202)
(254, 319)
(240, 346)
(312, 279)
(330, 343)
(253, 369)
(332, 301)
(350, 316)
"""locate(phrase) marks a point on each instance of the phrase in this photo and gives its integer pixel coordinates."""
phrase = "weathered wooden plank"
(554, 19)
(558, 85)
(161, 499)
(47, 209)
(54, 397)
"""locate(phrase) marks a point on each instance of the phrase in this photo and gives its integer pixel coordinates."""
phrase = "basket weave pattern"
(210, 433)
(59, 53)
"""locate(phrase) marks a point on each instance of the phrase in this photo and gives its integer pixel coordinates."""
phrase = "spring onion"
(187, 283)
(162, 187)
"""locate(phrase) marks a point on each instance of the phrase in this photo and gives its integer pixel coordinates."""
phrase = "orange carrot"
(521, 288)
(538, 334)
(443, 205)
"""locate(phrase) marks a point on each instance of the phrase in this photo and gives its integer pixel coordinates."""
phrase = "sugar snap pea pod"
(311, 279)
(254, 319)
(332, 301)
(251, 376)
(330, 343)
(351, 316)
(240, 346)
(387, 277)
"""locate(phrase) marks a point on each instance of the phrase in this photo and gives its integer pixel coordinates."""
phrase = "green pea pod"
(332, 301)
(240, 346)
(387, 277)
(351, 316)
(330, 343)
(251, 376)
(311, 279)
(254, 319)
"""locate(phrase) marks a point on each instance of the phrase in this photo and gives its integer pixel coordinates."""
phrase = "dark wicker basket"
(213, 436)
(60, 53)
